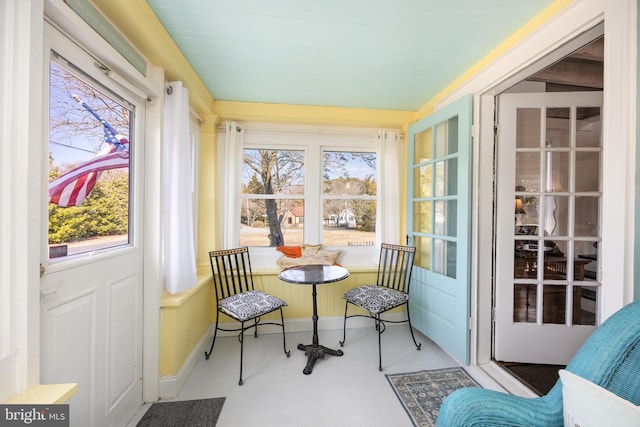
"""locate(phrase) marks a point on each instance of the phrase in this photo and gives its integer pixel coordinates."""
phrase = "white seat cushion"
(375, 299)
(247, 305)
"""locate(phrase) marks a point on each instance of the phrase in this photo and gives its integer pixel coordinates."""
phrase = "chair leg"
(255, 327)
(284, 340)
(241, 337)
(215, 332)
(418, 345)
(344, 328)
(380, 330)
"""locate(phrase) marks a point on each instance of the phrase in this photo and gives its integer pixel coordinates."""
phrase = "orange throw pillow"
(290, 251)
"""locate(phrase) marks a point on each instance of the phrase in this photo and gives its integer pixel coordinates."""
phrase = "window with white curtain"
(294, 185)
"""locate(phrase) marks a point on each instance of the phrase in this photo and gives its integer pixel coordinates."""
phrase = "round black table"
(314, 275)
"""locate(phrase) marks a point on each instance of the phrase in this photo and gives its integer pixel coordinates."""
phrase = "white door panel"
(547, 264)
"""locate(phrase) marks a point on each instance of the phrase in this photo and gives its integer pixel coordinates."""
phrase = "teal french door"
(439, 225)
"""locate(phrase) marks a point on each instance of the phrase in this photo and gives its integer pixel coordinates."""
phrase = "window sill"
(176, 300)
(44, 394)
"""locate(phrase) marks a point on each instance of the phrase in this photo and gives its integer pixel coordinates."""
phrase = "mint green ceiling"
(381, 54)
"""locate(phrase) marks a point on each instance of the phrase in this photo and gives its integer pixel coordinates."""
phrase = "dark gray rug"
(421, 393)
(187, 413)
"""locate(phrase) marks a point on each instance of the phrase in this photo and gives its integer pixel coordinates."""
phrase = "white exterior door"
(549, 203)
(91, 305)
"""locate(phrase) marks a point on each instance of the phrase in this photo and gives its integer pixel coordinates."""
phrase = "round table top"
(313, 274)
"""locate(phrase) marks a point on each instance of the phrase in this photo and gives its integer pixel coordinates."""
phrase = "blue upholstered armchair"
(610, 358)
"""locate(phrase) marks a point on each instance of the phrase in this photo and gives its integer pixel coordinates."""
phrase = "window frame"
(313, 141)
(86, 65)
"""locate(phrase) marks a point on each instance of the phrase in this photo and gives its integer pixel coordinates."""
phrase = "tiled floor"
(341, 391)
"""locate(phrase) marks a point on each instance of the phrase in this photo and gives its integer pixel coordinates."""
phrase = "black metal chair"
(390, 291)
(237, 298)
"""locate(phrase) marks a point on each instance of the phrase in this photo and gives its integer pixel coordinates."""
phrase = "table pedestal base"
(315, 352)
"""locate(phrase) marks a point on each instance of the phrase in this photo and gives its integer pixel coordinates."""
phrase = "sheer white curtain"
(231, 160)
(390, 148)
(177, 191)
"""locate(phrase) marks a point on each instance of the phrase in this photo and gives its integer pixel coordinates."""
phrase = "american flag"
(71, 188)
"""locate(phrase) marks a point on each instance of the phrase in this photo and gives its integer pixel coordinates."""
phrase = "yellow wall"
(184, 319)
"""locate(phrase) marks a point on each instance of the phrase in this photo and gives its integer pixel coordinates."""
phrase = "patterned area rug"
(421, 393)
(183, 413)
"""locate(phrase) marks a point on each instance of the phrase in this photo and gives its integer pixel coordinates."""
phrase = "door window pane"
(423, 181)
(588, 171)
(89, 157)
(528, 128)
(423, 146)
(528, 171)
(588, 130)
(557, 178)
(525, 302)
(444, 257)
(422, 215)
(423, 252)
(587, 217)
(446, 177)
(556, 215)
(447, 137)
(586, 305)
(558, 128)
(446, 217)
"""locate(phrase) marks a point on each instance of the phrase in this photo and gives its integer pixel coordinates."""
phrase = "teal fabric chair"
(610, 358)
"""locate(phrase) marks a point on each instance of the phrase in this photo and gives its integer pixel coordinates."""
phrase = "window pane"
(349, 222)
(446, 177)
(347, 173)
(446, 216)
(423, 252)
(587, 171)
(423, 147)
(587, 222)
(423, 179)
(528, 128)
(558, 128)
(524, 302)
(89, 179)
(447, 137)
(557, 172)
(528, 171)
(422, 216)
(587, 300)
(588, 127)
(444, 257)
(268, 171)
(556, 216)
(271, 222)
